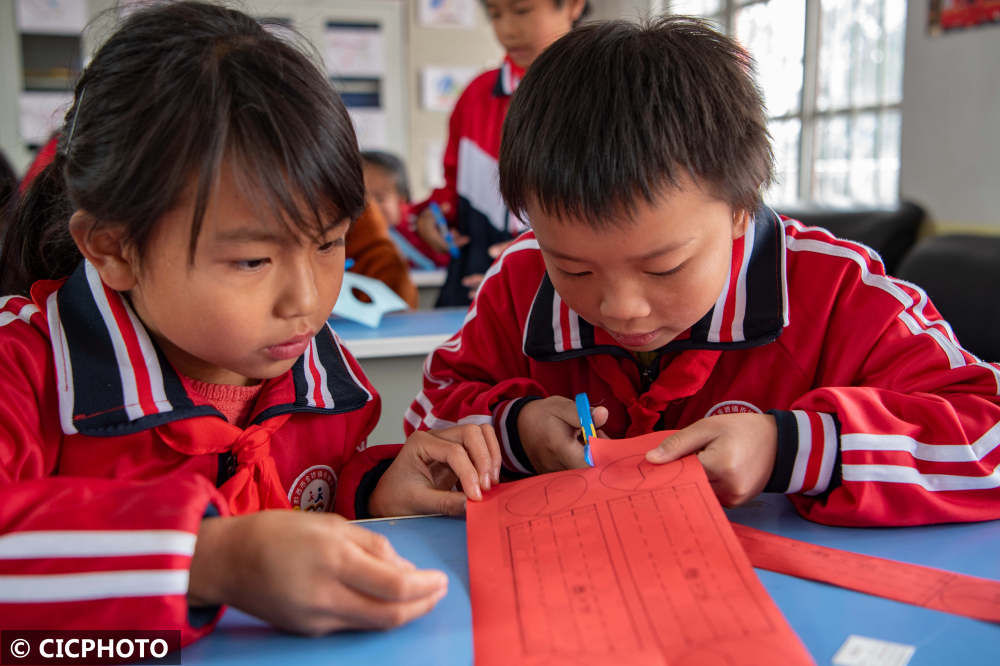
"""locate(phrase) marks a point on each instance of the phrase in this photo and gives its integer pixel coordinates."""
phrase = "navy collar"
(114, 380)
(508, 78)
(752, 309)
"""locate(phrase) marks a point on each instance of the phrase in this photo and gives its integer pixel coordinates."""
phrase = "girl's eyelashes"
(251, 264)
(664, 273)
(573, 274)
(330, 246)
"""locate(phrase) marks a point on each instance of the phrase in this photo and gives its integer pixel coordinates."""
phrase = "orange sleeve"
(375, 255)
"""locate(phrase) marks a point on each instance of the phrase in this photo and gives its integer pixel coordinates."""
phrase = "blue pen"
(443, 228)
(586, 425)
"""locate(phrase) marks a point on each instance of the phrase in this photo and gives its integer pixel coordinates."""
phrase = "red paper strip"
(910, 583)
(627, 563)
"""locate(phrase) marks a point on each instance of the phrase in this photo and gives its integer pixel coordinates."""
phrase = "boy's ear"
(741, 219)
(576, 9)
(104, 246)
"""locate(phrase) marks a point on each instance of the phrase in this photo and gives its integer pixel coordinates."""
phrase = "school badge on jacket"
(313, 489)
(733, 407)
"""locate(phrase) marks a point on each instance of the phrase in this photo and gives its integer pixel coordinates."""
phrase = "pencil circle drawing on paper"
(636, 473)
(548, 496)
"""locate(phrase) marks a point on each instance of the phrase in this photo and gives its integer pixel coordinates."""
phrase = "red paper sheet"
(910, 583)
(624, 563)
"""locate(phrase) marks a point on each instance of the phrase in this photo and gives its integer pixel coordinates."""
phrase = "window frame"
(809, 114)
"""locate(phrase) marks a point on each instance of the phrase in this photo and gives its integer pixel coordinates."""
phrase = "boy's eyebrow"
(248, 235)
(669, 247)
(263, 235)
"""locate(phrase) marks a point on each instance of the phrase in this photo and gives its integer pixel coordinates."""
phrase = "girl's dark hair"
(8, 191)
(560, 3)
(393, 165)
(616, 111)
(175, 90)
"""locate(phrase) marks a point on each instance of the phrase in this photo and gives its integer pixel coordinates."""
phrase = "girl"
(470, 198)
(173, 384)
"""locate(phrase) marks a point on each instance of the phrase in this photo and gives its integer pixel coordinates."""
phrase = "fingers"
(695, 437)
(376, 545)
(379, 579)
(600, 416)
(483, 447)
(358, 611)
(564, 409)
(495, 457)
(575, 458)
(457, 458)
(446, 502)
(428, 230)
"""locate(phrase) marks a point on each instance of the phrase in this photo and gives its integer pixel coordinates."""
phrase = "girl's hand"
(308, 573)
(736, 450)
(549, 430)
(421, 478)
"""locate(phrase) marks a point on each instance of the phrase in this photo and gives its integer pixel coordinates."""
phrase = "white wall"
(950, 155)
(603, 10)
(465, 47)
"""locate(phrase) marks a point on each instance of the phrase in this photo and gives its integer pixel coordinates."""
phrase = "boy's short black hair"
(560, 3)
(393, 165)
(617, 110)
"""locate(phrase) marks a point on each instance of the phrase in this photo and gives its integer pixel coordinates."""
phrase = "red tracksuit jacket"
(108, 462)
(470, 173)
(883, 419)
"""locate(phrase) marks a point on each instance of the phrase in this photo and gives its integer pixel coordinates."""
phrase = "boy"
(469, 199)
(655, 281)
(386, 184)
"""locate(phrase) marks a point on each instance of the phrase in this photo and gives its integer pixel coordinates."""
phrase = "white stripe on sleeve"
(95, 543)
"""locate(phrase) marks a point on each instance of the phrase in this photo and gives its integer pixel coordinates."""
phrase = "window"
(832, 76)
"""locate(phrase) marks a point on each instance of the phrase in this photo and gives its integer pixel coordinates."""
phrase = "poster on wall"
(354, 49)
(447, 13)
(958, 14)
(441, 86)
(52, 17)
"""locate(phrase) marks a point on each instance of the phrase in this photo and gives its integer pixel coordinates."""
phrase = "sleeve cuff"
(367, 485)
(200, 617)
(808, 456)
(515, 461)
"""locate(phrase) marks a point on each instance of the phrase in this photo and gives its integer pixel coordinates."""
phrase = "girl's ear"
(741, 218)
(104, 246)
(576, 9)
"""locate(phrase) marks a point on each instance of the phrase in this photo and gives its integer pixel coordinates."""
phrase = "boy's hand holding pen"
(549, 429)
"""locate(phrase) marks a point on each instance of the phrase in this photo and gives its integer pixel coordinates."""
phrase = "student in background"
(655, 280)
(469, 199)
(371, 248)
(386, 184)
(171, 387)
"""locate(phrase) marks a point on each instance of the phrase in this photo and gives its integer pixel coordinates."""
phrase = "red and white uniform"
(470, 191)
(883, 419)
(109, 461)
